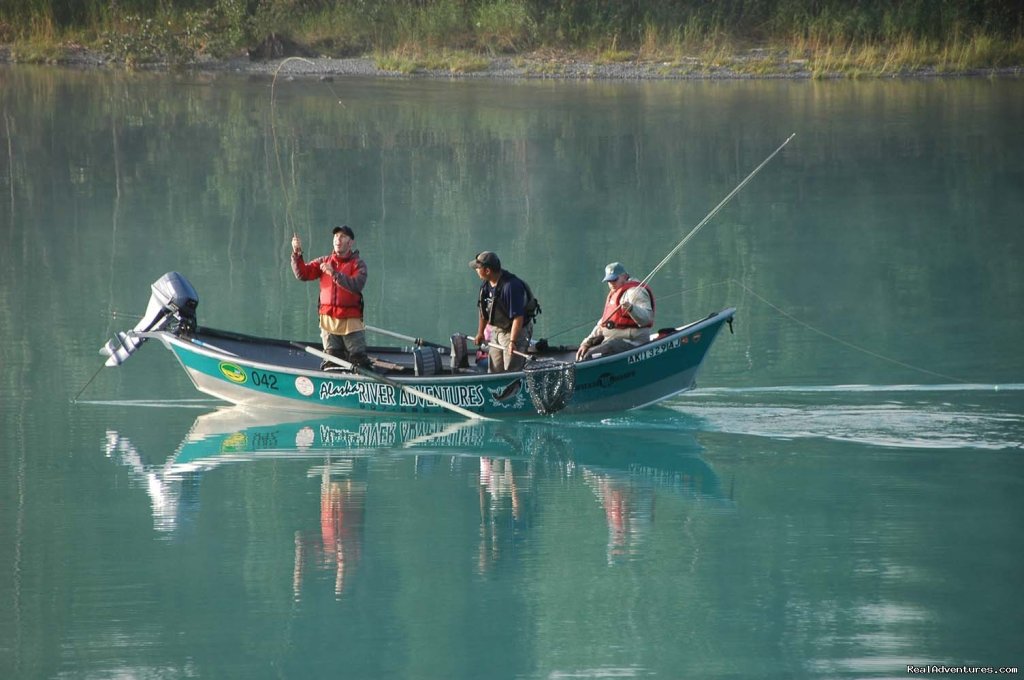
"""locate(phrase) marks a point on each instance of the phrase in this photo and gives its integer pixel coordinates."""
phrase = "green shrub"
(504, 26)
(140, 40)
(433, 25)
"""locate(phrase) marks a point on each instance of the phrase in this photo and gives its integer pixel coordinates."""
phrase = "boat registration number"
(267, 380)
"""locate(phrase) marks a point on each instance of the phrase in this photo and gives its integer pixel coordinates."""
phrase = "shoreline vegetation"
(525, 38)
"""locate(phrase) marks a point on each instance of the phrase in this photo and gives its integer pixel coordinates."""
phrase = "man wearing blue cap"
(627, 319)
(341, 275)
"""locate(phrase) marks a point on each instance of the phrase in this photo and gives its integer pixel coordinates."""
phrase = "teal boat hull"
(276, 374)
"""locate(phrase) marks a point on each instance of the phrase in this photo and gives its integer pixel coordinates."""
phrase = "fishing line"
(288, 199)
(863, 389)
(847, 343)
(117, 314)
(88, 382)
(113, 239)
(10, 160)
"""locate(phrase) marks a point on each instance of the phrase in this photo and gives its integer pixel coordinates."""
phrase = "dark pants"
(351, 347)
(610, 346)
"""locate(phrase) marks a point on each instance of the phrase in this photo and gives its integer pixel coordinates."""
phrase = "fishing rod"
(707, 218)
(420, 342)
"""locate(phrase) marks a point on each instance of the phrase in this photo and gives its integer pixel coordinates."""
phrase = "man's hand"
(581, 351)
(326, 267)
(585, 345)
(296, 244)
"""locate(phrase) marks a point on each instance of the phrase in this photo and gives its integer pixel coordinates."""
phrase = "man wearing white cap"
(627, 318)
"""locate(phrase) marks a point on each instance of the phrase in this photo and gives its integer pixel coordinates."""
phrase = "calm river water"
(842, 496)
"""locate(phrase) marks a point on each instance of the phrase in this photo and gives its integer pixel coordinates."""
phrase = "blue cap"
(613, 271)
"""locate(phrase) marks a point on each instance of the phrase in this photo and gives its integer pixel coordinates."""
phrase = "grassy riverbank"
(673, 38)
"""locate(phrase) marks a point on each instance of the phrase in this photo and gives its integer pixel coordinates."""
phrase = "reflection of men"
(497, 482)
(342, 275)
(628, 510)
(627, 318)
(341, 518)
(339, 544)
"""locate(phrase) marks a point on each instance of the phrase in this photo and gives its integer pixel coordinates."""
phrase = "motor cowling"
(172, 305)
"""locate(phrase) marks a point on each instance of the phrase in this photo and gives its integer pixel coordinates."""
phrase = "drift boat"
(281, 374)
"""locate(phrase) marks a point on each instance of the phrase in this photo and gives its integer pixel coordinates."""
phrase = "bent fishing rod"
(707, 218)
(714, 211)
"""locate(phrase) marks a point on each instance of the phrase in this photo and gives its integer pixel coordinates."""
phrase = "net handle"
(488, 345)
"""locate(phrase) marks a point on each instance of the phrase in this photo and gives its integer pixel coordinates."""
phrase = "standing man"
(342, 275)
(507, 309)
(627, 318)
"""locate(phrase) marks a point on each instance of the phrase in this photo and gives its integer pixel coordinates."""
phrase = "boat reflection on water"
(626, 465)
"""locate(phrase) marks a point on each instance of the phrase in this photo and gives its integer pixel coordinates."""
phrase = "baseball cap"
(486, 259)
(344, 229)
(613, 271)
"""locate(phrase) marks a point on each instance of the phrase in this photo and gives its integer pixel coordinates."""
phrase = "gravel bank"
(532, 66)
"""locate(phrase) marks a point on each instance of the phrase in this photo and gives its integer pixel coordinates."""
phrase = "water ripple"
(923, 418)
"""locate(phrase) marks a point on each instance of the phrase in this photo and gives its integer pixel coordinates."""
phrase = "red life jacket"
(616, 314)
(336, 301)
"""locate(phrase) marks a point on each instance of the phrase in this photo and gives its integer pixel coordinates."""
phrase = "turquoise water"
(841, 497)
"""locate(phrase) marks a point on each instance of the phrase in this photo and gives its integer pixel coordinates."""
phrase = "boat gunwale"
(169, 338)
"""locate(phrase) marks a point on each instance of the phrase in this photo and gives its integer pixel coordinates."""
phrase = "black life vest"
(492, 307)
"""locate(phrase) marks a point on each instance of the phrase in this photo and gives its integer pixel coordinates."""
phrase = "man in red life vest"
(627, 318)
(342, 275)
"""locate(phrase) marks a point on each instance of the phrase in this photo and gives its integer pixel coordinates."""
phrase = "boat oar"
(393, 383)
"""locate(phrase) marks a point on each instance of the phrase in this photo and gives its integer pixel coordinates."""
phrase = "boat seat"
(459, 353)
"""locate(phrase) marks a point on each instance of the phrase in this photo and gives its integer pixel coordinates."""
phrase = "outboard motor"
(173, 300)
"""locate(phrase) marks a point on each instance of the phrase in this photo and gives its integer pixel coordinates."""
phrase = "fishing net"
(550, 384)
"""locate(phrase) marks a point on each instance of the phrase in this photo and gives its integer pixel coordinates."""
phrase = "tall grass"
(867, 36)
